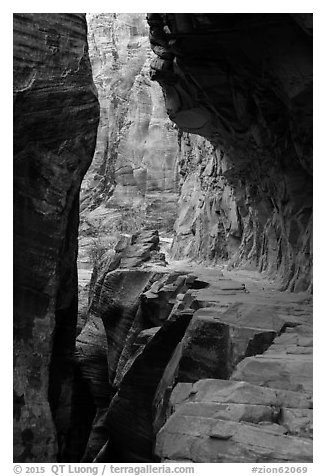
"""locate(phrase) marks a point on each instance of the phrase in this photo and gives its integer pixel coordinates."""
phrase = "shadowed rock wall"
(55, 122)
(244, 82)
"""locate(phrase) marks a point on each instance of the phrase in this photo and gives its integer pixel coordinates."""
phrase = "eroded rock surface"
(131, 331)
(244, 83)
(135, 163)
(56, 114)
(260, 408)
(199, 366)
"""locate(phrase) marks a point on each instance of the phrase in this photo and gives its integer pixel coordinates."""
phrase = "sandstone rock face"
(215, 439)
(215, 342)
(225, 421)
(55, 122)
(238, 387)
(130, 412)
(244, 83)
(112, 317)
(135, 163)
(121, 347)
(197, 366)
(190, 364)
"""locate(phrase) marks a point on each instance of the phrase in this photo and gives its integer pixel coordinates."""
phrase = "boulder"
(214, 440)
(227, 421)
(285, 371)
(214, 343)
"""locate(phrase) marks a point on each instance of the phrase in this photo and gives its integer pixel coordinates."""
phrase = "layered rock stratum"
(56, 114)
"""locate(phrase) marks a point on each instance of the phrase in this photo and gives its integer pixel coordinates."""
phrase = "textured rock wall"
(254, 221)
(136, 150)
(132, 295)
(55, 122)
(244, 82)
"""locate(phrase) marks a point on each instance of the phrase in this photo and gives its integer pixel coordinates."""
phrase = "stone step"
(241, 392)
(212, 440)
(288, 372)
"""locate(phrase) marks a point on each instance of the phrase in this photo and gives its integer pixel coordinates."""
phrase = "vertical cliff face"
(135, 159)
(246, 217)
(55, 122)
(244, 82)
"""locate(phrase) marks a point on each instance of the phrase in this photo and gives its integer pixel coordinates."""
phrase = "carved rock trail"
(195, 363)
(264, 411)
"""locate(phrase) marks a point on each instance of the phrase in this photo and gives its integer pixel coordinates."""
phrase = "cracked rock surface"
(260, 408)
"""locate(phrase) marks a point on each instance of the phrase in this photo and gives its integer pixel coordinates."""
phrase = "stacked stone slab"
(252, 402)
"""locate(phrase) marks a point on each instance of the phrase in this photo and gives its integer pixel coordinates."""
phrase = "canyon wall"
(56, 115)
(135, 162)
(244, 83)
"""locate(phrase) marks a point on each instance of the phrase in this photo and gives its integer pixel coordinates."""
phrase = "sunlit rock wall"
(135, 158)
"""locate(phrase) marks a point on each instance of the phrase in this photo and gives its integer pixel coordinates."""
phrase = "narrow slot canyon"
(163, 238)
